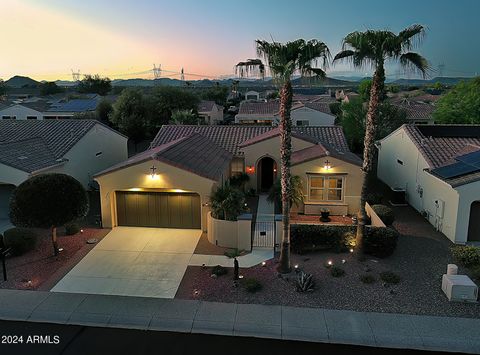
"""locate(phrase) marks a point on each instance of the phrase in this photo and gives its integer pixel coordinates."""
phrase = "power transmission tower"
(157, 71)
(441, 69)
(182, 75)
(76, 75)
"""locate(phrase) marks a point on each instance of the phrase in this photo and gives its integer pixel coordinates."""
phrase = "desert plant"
(219, 270)
(380, 241)
(385, 213)
(232, 253)
(304, 282)
(466, 255)
(367, 278)
(296, 192)
(21, 240)
(337, 271)
(390, 277)
(252, 285)
(227, 202)
(72, 228)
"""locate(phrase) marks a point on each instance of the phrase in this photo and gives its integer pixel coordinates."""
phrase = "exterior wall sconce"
(250, 169)
(153, 174)
(327, 165)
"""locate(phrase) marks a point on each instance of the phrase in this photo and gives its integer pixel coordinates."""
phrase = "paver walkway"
(253, 320)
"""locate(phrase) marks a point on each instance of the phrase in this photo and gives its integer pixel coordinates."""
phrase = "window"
(303, 123)
(325, 188)
(31, 117)
(399, 161)
(9, 117)
(97, 154)
(236, 167)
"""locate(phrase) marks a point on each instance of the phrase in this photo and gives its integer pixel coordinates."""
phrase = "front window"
(302, 123)
(236, 167)
(325, 188)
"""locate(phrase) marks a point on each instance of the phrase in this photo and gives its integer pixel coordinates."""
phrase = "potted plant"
(325, 215)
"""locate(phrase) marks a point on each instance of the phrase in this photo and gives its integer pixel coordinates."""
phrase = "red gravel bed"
(39, 269)
(314, 219)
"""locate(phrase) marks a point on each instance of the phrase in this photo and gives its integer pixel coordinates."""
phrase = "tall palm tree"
(373, 48)
(283, 60)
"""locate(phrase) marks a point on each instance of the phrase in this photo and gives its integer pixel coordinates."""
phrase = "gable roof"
(320, 106)
(416, 110)
(231, 137)
(194, 153)
(269, 108)
(207, 106)
(275, 133)
(38, 144)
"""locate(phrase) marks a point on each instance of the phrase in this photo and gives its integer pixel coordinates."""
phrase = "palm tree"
(283, 60)
(374, 48)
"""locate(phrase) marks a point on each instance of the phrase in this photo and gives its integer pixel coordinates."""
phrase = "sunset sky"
(45, 39)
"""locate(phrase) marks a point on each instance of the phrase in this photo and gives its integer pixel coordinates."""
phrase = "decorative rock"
(92, 241)
(213, 276)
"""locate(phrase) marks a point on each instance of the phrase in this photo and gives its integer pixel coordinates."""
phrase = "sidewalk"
(253, 320)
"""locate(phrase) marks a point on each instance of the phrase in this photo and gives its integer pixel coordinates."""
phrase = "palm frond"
(411, 36)
(250, 66)
(346, 53)
(415, 61)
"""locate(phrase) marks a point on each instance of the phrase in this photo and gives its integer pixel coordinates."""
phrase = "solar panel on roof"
(470, 159)
(454, 170)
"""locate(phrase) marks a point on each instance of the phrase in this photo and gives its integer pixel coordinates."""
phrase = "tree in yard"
(283, 60)
(95, 84)
(296, 192)
(228, 202)
(3, 88)
(216, 93)
(129, 114)
(48, 201)
(104, 110)
(373, 48)
(180, 117)
(50, 88)
(461, 105)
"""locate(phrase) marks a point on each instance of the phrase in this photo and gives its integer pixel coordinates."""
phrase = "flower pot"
(325, 216)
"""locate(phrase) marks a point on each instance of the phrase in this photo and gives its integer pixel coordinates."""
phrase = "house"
(24, 110)
(315, 113)
(417, 112)
(210, 112)
(438, 166)
(252, 95)
(170, 184)
(79, 148)
(70, 108)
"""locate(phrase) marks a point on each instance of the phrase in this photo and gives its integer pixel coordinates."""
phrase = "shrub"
(219, 270)
(475, 272)
(21, 240)
(337, 271)
(380, 241)
(390, 277)
(239, 180)
(228, 203)
(367, 278)
(385, 213)
(374, 198)
(72, 228)
(233, 253)
(308, 238)
(252, 285)
(466, 255)
(304, 282)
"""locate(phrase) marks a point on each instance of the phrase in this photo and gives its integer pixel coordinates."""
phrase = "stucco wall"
(138, 177)
(82, 161)
(20, 112)
(230, 234)
(9, 175)
(314, 117)
(467, 194)
(352, 179)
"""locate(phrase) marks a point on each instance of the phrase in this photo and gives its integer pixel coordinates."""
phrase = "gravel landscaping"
(39, 269)
(420, 260)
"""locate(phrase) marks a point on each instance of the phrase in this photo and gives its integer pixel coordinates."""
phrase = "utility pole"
(76, 75)
(182, 75)
(157, 71)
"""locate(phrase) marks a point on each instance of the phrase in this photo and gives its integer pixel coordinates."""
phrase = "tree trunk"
(54, 240)
(369, 150)
(285, 153)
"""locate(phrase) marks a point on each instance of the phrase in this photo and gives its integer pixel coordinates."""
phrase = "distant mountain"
(420, 82)
(18, 81)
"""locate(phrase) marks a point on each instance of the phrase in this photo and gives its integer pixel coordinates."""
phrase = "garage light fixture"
(327, 165)
(153, 174)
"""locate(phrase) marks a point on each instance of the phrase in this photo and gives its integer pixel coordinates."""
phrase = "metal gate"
(264, 234)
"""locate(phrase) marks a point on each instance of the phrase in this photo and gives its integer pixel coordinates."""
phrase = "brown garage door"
(158, 209)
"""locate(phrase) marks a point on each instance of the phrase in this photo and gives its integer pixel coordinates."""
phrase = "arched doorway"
(474, 224)
(267, 173)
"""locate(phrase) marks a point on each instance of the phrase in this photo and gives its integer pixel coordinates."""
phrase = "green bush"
(380, 241)
(219, 270)
(475, 272)
(374, 198)
(21, 240)
(308, 238)
(252, 285)
(367, 278)
(72, 228)
(337, 271)
(385, 213)
(466, 255)
(390, 277)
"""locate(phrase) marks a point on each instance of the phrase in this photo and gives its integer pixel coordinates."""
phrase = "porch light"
(274, 170)
(327, 165)
(250, 169)
(153, 174)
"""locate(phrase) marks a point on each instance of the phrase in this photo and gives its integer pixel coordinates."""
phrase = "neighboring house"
(170, 184)
(346, 97)
(417, 112)
(28, 110)
(302, 114)
(79, 148)
(70, 108)
(439, 168)
(252, 95)
(210, 111)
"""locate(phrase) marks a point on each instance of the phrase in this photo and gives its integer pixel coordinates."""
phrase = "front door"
(267, 173)
(474, 224)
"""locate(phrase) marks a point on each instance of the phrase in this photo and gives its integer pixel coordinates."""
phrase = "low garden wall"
(375, 221)
(230, 234)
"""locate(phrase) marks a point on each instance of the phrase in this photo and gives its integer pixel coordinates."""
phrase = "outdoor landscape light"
(327, 165)
(264, 263)
(240, 276)
(296, 266)
(351, 250)
(329, 262)
(343, 261)
(81, 230)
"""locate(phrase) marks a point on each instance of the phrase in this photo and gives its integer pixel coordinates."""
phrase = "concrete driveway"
(134, 261)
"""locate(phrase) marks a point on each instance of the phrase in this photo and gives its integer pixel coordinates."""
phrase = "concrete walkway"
(265, 209)
(249, 260)
(253, 320)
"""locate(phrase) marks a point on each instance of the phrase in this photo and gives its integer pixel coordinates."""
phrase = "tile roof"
(440, 144)
(207, 106)
(42, 142)
(194, 153)
(310, 153)
(269, 108)
(416, 110)
(231, 137)
(320, 106)
(274, 133)
(75, 105)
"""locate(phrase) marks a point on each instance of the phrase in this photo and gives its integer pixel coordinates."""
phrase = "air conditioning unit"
(459, 288)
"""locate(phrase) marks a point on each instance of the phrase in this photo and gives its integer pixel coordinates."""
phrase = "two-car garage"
(158, 209)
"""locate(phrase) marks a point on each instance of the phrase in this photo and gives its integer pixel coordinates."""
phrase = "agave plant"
(304, 282)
